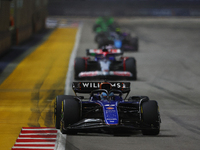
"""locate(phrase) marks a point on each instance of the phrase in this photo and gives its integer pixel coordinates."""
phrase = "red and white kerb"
(36, 138)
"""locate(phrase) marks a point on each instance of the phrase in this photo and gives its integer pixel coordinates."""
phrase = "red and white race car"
(105, 65)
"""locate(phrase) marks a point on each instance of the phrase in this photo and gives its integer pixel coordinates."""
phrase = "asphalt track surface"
(168, 71)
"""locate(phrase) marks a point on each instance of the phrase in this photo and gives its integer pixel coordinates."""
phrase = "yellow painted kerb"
(27, 95)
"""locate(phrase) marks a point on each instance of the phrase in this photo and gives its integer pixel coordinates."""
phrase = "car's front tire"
(70, 115)
(58, 107)
(151, 117)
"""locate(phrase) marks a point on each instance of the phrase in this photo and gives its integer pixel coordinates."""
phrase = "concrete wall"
(28, 17)
(39, 15)
(5, 36)
(23, 21)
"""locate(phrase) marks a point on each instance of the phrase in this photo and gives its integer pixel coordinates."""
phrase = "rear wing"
(93, 52)
(87, 87)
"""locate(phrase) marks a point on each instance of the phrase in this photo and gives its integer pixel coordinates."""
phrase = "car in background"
(104, 24)
(122, 40)
(104, 64)
(108, 32)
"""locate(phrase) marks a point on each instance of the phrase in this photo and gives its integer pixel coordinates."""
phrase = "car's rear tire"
(131, 67)
(151, 117)
(79, 66)
(134, 43)
(70, 115)
(58, 107)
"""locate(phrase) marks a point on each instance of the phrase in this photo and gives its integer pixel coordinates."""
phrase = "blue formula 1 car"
(120, 40)
(105, 109)
(104, 64)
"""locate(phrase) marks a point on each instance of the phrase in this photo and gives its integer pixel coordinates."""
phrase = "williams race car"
(105, 65)
(105, 110)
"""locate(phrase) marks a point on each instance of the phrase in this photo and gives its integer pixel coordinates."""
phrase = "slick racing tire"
(131, 66)
(151, 117)
(70, 115)
(57, 108)
(79, 66)
(134, 43)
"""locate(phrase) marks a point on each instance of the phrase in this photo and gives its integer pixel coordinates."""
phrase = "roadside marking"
(31, 138)
(69, 79)
(45, 138)
(27, 95)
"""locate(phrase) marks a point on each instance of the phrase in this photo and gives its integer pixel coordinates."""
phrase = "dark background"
(124, 7)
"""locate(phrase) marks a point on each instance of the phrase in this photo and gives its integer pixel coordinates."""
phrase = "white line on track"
(61, 139)
(68, 81)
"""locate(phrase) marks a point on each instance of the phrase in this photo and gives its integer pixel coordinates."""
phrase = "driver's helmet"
(104, 52)
(118, 30)
(109, 46)
(106, 85)
(103, 96)
(125, 34)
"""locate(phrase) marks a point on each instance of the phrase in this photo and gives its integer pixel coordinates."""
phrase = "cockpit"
(103, 94)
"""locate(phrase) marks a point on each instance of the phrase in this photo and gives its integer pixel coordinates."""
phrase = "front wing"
(100, 124)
